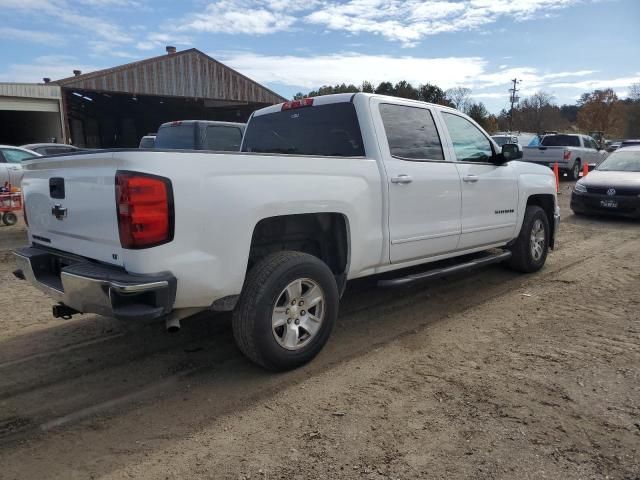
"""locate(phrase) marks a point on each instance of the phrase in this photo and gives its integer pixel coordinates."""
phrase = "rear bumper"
(94, 288)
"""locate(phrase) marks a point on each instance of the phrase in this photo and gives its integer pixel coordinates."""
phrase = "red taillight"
(567, 155)
(145, 209)
(305, 102)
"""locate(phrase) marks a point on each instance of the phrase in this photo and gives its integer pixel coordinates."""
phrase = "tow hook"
(63, 311)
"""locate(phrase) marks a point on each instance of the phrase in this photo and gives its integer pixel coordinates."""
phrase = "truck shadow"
(74, 370)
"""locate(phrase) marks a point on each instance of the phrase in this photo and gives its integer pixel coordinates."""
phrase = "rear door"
(424, 188)
(489, 191)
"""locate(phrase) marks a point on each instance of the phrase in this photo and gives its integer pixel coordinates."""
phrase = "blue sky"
(564, 47)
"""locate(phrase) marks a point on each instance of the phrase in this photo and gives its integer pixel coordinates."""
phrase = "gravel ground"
(486, 375)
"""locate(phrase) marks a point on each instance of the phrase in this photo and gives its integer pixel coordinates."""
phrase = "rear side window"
(411, 132)
(329, 130)
(561, 141)
(222, 138)
(181, 136)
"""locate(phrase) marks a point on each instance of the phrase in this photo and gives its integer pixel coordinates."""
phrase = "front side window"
(411, 132)
(469, 143)
(16, 156)
(223, 139)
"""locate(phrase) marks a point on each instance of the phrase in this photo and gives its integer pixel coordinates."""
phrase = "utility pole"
(514, 99)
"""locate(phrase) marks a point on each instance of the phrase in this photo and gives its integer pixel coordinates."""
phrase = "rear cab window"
(330, 129)
(181, 136)
(222, 138)
(561, 141)
(411, 132)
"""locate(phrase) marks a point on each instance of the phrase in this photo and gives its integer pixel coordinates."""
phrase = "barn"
(116, 106)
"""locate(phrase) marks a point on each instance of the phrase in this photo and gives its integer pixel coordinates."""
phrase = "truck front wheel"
(286, 310)
(529, 252)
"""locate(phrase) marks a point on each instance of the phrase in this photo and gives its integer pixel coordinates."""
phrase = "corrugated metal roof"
(30, 90)
(189, 73)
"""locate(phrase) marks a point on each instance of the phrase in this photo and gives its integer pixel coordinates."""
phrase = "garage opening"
(19, 127)
(118, 120)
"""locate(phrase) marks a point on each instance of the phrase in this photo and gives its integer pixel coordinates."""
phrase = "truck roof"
(206, 122)
(344, 98)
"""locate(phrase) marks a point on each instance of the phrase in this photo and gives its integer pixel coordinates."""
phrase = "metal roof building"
(116, 106)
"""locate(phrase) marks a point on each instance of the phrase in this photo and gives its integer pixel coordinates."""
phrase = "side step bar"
(441, 272)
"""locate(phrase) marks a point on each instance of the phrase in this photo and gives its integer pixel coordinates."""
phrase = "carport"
(117, 106)
(30, 113)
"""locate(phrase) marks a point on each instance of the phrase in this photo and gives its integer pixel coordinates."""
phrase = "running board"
(441, 272)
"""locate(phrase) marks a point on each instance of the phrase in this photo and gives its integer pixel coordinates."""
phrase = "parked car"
(200, 135)
(504, 139)
(325, 190)
(51, 148)
(629, 143)
(148, 141)
(570, 151)
(11, 159)
(613, 187)
(613, 146)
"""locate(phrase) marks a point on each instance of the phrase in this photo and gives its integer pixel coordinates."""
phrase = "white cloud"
(592, 84)
(409, 21)
(314, 71)
(239, 16)
(33, 36)
(66, 13)
(154, 41)
(52, 66)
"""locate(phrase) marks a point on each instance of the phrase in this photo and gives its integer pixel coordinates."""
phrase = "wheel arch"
(547, 203)
(325, 235)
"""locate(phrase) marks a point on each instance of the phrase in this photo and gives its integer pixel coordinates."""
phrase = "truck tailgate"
(543, 154)
(70, 205)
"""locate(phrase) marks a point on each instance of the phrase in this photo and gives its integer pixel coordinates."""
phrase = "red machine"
(10, 202)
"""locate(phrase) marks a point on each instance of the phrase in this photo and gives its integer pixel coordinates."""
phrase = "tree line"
(599, 110)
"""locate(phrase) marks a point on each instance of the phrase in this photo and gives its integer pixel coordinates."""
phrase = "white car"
(11, 159)
(323, 191)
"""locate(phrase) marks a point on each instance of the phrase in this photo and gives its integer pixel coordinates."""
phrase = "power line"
(513, 99)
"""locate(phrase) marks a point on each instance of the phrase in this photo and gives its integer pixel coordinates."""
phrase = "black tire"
(574, 173)
(523, 259)
(9, 219)
(252, 317)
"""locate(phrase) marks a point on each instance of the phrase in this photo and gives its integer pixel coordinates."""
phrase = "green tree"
(385, 88)
(405, 90)
(432, 94)
(367, 87)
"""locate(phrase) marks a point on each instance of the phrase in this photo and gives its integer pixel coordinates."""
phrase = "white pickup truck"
(325, 190)
(570, 151)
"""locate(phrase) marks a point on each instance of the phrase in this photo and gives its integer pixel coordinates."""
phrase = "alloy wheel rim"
(538, 240)
(298, 314)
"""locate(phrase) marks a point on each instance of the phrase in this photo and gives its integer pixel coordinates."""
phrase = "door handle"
(14, 168)
(470, 178)
(402, 179)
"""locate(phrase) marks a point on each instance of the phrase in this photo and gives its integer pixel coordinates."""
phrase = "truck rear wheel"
(574, 173)
(529, 252)
(286, 310)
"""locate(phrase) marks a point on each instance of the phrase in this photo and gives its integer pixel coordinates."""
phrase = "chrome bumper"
(94, 288)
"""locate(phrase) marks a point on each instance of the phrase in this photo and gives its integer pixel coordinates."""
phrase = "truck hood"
(600, 178)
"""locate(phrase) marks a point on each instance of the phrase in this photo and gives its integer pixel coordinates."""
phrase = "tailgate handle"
(56, 187)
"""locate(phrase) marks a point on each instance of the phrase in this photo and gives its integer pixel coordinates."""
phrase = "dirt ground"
(486, 375)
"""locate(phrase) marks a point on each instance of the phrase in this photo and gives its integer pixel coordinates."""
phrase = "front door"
(424, 188)
(489, 191)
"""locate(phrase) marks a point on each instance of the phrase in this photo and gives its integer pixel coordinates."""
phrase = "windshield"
(621, 161)
(561, 141)
(178, 136)
(328, 130)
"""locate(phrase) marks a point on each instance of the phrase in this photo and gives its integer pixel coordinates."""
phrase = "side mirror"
(511, 151)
